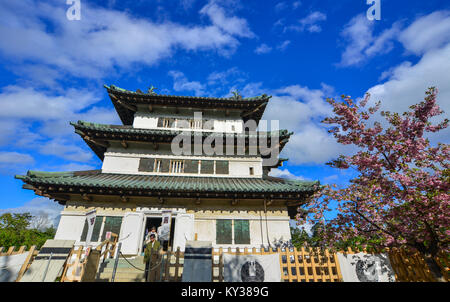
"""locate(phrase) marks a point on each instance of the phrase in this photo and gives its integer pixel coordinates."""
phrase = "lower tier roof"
(95, 182)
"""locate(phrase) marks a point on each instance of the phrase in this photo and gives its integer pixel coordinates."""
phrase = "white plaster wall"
(221, 124)
(122, 164)
(205, 230)
(278, 229)
(242, 168)
(70, 226)
(145, 122)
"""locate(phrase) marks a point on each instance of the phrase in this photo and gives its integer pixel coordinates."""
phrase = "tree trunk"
(434, 268)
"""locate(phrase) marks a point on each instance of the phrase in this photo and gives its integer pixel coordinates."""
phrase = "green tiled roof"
(97, 179)
(103, 132)
(115, 89)
(125, 102)
(82, 125)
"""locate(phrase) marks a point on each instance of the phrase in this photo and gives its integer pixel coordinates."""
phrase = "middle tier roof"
(98, 136)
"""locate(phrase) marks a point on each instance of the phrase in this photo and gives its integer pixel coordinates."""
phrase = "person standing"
(152, 259)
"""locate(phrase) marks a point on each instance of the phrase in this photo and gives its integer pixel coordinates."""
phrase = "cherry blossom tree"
(400, 196)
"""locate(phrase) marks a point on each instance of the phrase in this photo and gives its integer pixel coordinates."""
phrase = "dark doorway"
(156, 222)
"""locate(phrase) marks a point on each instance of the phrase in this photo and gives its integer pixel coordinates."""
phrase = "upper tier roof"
(126, 102)
(97, 135)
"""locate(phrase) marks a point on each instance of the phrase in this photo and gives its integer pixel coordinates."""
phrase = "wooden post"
(25, 264)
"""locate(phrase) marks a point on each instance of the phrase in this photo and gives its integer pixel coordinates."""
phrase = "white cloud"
(65, 149)
(426, 33)
(263, 49)
(301, 110)
(15, 158)
(39, 206)
(285, 173)
(223, 77)
(309, 23)
(360, 42)
(283, 45)
(11, 162)
(296, 4)
(40, 121)
(280, 6)
(105, 39)
(406, 85)
(181, 83)
(229, 24)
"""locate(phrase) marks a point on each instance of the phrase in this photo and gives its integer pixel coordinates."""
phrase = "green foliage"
(15, 231)
(300, 238)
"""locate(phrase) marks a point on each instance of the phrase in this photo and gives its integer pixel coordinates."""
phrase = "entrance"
(156, 222)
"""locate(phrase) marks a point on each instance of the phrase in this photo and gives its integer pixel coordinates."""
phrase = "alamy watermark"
(74, 11)
(374, 12)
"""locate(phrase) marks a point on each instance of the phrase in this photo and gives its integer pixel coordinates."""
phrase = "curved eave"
(125, 102)
(98, 136)
(58, 185)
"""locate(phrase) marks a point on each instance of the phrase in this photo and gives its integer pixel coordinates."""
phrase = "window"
(232, 231)
(222, 167)
(207, 167)
(166, 122)
(196, 124)
(191, 166)
(176, 166)
(146, 164)
(252, 171)
(157, 165)
(95, 231)
(241, 232)
(112, 224)
(165, 165)
(223, 231)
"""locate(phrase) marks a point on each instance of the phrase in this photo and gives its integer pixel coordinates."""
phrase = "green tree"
(299, 237)
(15, 231)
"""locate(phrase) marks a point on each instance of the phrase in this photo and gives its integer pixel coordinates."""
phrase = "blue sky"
(52, 70)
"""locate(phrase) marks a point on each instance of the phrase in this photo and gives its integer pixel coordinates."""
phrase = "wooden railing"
(172, 265)
(12, 251)
(83, 267)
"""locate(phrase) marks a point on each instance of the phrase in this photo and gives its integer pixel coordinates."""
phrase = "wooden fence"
(302, 265)
(12, 251)
(297, 265)
(309, 265)
(411, 266)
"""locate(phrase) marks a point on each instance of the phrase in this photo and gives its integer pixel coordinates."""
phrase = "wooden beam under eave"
(234, 201)
(254, 110)
(86, 197)
(124, 144)
(198, 201)
(129, 107)
(101, 144)
(150, 108)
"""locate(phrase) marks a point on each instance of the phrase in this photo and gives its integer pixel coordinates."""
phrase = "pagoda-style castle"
(226, 198)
